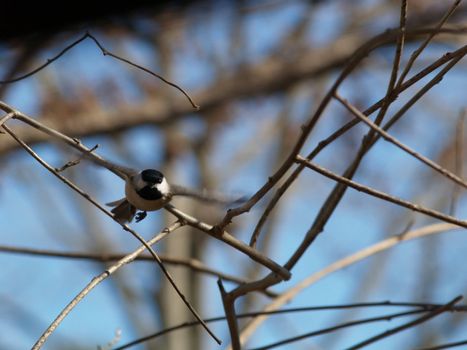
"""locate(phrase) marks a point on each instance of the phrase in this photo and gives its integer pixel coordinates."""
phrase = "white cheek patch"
(163, 187)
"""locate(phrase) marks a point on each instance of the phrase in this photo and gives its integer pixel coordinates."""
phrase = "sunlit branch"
(382, 195)
(453, 58)
(190, 263)
(52, 327)
(352, 109)
(419, 308)
(381, 246)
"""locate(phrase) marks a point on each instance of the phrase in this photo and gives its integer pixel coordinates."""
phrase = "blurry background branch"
(272, 75)
(259, 69)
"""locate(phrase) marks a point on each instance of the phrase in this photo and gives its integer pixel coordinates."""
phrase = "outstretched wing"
(119, 170)
(205, 196)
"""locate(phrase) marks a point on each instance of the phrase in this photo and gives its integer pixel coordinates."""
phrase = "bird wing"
(205, 196)
(119, 170)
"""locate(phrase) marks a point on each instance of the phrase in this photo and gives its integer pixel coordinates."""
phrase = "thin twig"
(105, 52)
(227, 238)
(392, 80)
(72, 163)
(193, 264)
(6, 117)
(399, 49)
(382, 195)
(413, 323)
(357, 113)
(339, 190)
(446, 345)
(420, 307)
(49, 331)
(71, 141)
(422, 47)
(306, 129)
(49, 61)
(230, 316)
(97, 280)
(336, 195)
(163, 112)
(388, 317)
(281, 126)
(458, 159)
(454, 57)
(427, 87)
(381, 246)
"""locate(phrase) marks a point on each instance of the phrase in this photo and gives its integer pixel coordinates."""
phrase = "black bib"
(150, 193)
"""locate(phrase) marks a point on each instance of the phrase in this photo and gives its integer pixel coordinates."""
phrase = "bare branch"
(413, 323)
(72, 163)
(230, 316)
(459, 158)
(388, 317)
(46, 334)
(97, 280)
(105, 52)
(42, 66)
(271, 75)
(446, 345)
(420, 308)
(333, 199)
(382, 195)
(193, 264)
(422, 47)
(399, 49)
(381, 246)
(454, 58)
(391, 84)
(225, 237)
(352, 109)
(306, 129)
(6, 117)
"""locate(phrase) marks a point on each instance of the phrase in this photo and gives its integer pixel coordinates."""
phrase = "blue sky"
(45, 286)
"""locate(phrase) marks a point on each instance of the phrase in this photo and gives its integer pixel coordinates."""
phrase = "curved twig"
(339, 265)
(281, 272)
(95, 281)
(382, 195)
(358, 114)
(402, 327)
(454, 57)
(105, 52)
(420, 308)
(193, 264)
(49, 331)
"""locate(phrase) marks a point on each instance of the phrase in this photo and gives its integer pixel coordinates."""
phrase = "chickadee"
(148, 190)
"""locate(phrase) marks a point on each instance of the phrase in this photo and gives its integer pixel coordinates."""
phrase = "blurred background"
(258, 69)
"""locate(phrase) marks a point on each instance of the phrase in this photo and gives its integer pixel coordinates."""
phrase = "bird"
(149, 190)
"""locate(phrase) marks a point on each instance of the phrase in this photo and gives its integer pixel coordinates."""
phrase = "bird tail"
(123, 211)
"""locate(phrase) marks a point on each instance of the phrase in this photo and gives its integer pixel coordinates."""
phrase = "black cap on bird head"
(152, 176)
